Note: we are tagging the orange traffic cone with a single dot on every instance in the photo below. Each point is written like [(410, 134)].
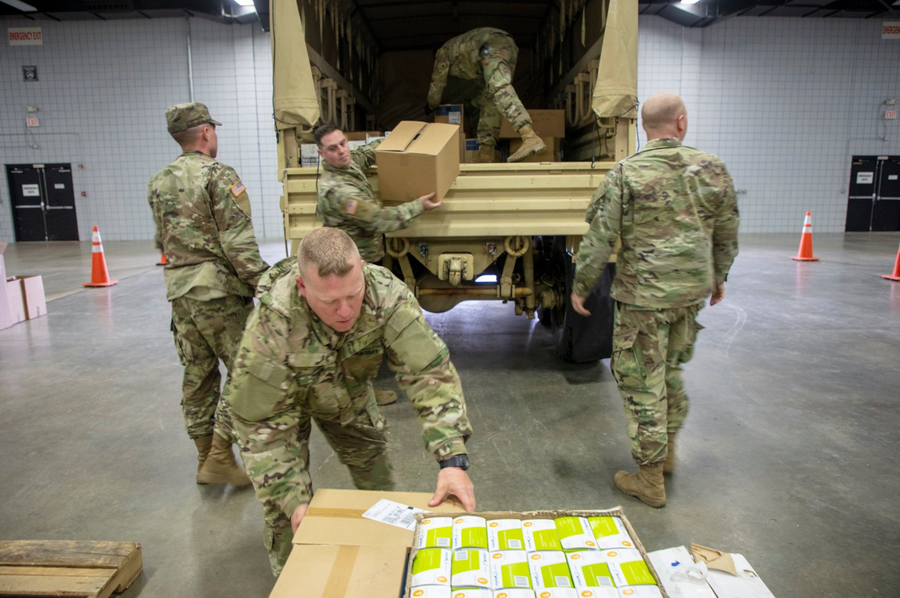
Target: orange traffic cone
[(896, 274), (806, 252), (162, 260), (99, 273)]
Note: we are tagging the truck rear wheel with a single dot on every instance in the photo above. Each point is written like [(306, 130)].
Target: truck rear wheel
[(582, 339)]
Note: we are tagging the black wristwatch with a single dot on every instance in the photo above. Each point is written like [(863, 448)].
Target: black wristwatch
[(461, 461)]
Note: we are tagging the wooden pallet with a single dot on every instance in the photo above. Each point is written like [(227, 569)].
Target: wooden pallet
[(64, 568)]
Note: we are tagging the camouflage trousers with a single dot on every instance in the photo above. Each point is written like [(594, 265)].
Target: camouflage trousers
[(360, 445), (649, 348), (205, 332), (498, 96)]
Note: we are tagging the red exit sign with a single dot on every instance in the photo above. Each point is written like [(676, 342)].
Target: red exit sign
[(32, 122), (890, 114)]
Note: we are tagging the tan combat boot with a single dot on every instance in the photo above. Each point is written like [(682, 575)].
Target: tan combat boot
[(531, 144), (203, 445), (385, 397), (219, 467), (669, 465), (485, 154), (647, 485)]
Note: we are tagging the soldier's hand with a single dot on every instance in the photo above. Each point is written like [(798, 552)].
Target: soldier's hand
[(578, 305), (429, 202), (298, 515), (453, 481), (717, 295)]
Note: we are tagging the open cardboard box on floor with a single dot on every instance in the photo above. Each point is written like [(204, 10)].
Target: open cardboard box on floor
[(6, 318)]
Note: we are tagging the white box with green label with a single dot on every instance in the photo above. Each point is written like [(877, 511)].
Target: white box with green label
[(627, 567), (471, 593), (559, 593), (610, 532), (575, 533), (640, 592), (540, 534), (471, 569), (431, 567), (505, 534), (431, 592), (509, 570), (590, 569), (470, 532), (513, 593), (435, 532), (549, 569)]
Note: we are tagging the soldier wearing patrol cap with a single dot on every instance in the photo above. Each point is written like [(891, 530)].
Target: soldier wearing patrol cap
[(202, 214), (346, 201), (486, 56), (311, 349), (675, 210)]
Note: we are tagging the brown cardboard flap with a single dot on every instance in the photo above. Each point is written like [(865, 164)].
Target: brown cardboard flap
[(402, 135), (342, 572)]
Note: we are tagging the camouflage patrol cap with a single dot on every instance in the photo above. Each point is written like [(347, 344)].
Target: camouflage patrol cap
[(182, 117)]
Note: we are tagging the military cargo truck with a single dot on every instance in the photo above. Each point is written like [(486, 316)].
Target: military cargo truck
[(505, 232)]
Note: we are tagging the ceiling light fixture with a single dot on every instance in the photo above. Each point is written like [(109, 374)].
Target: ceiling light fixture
[(19, 5), (244, 2), (689, 1)]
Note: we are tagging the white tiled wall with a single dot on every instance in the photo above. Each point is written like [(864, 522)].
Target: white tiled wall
[(102, 95), (784, 102)]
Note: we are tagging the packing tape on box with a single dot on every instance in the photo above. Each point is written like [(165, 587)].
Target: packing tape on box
[(339, 577), (322, 512)]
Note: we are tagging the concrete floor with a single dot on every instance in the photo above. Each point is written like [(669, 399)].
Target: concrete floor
[(789, 455)]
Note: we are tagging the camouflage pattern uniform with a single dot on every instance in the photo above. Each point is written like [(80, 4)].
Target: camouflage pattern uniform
[(202, 215), (291, 369), (490, 55), (676, 211), (346, 201)]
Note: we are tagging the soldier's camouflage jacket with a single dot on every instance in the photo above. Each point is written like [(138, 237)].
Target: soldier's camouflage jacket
[(676, 211), (346, 201), (289, 361), (462, 57), (202, 214)]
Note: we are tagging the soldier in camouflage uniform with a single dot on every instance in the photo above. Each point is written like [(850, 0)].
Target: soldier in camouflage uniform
[(488, 57), (310, 352), (675, 209), (202, 214)]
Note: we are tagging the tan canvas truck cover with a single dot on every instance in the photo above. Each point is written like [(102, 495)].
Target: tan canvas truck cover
[(616, 92), (294, 97)]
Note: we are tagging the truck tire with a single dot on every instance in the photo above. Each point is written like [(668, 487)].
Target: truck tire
[(582, 339)]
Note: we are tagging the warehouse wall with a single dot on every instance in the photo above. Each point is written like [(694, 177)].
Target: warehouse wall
[(102, 95), (785, 102)]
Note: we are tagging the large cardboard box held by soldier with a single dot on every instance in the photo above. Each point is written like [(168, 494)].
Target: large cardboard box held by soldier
[(453, 114), (417, 159), (546, 123)]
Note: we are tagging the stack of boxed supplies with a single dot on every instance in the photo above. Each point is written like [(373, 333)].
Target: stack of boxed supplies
[(578, 554)]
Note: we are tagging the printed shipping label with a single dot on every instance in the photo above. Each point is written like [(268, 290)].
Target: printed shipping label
[(575, 533), (436, 532), (393, 513), (610, 532), (470, 532), (471, 569), (505, 534), (540, 534), (431, 567), (509, 569), (549, 570)]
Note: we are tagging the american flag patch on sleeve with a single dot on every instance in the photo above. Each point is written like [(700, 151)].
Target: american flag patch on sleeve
[(237, 189)]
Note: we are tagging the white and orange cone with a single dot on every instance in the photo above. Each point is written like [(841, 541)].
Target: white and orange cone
[(162, 260), (99, 273), (806, 251), (896, 274)]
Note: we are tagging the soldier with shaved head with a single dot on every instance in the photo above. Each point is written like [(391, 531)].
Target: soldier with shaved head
[(675, 210)]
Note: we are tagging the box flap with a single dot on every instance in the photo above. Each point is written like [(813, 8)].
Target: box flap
[(433, 139), (342, 571), (402, 135), (335, 517), (2, 247)]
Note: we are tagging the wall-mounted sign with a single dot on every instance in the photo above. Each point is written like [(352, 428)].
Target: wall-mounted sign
[(32, 122), (890, 30), (865, 178), (25, 36), (31, 191), (29, 73)]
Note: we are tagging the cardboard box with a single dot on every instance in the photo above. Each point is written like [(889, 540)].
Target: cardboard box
[(610, 532), (32, 291), (6, 319), (546, 123), (541, 534), (452, 114), (335, 518), (342, 572), (15, 296), (431, 567), (505, 534), (309, 155), (550, 569), (362, 135), (471, 569), (575, 533), (417, 159), (551, 154), (510, 570), (470, 532)]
